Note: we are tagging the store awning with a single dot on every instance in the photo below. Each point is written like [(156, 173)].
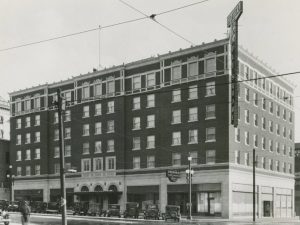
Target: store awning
[(98, 193)]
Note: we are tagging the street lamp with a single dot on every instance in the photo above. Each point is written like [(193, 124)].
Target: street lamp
[(11, 179), (190, 173)]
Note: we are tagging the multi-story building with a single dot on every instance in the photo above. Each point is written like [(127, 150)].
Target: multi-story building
[(297, 179), (4, 119), (125, 126)]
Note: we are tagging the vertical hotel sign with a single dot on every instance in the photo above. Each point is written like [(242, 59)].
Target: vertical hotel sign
[(232, 24)]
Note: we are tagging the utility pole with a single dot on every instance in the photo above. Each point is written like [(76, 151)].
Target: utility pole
[(189, 172), (62, 158), (254, 191)]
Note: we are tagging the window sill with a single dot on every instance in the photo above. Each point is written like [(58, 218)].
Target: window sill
[(85, 135), (136, 149), (37, 141), (65, 121), (192, 143), (37, 158), (97, 152), (150, 147), (150, 127), (173, 123), (110, 112), (192, 98), (98, 133), (210, 95), (27, 143), (67, 156), (85, 116), (66, 138), (136, 109), (98, 114), (237, 141), (175, 144), (110, 151), (208, 141), (176, 101), (190, 121), (36, 125), (108, 132), (210, 118), (148, 107), (56, 157), (86, 153), (136, 128)]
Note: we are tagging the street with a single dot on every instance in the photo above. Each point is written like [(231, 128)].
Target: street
[(55, 220)]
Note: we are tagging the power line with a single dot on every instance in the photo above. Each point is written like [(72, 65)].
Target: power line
[(95, 29)]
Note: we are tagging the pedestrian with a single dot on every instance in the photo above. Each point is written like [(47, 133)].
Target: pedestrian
[(25, 212)]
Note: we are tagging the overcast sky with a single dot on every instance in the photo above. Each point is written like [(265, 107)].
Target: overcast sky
[(268, 28)]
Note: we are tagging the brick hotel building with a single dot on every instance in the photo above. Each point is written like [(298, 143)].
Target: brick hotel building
[(125, 126)]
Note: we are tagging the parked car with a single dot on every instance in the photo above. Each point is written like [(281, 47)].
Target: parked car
[(38, 207), (52, 207), (4, 217), (152, 212), (132, 210), (13, 206), (3, 204), (81, 208), (94, 209), (113, 210), (173, 212)]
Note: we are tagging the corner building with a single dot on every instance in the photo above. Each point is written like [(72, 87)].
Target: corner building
[(126, 125)]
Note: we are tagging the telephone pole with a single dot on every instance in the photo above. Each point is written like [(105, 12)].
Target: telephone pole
[(62, 157)]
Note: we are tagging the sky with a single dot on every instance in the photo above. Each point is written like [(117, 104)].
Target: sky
[(268, 28)]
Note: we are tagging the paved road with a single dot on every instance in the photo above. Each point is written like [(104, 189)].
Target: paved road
[(54, 220)]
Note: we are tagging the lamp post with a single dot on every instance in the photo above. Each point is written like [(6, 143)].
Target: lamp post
[(11, 179), (189, 173)]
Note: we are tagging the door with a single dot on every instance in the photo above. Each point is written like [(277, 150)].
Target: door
[(267, 208)]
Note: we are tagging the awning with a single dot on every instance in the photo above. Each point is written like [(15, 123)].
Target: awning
[(98, 193)]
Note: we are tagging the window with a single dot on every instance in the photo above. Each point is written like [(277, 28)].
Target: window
[(290, 152), (37, 102), (110, 126), (271, 146), (37, 120), (291, 135), (150, 100), (277, 166), (136, 162), (176, 159), (67, 115), (150, 161), (284, 149), (247, 94), (27, 122), (255, 98), (176, 73), (278, 110), (98, 147), (55, 117), (110, 87), (255, 118), (263, 123), (37, 136), (27, 105), (85, 92), (277, 129), (86, 130), (192, 69), (150, 121), (176, 138), (271, 126), (28, 170), (290, 117), (98, 128), (247, 159), (237, 157), (37, 153), (98, 164), (19, 171), (111, 145), (136, 82), (27, 139), (67, 133), (210, 134), (37, 169), (136, 103), (271, 107), (247, 116), (18, 107), (110, 163), (193, 92), (56, 168), (255, 140), (86, 148), (210, 89), (176, 95), (19, 139), (150, 141), (19, 123), (284, 132), (98, 90), (290, 168), (193, 136), (98, 109), (86, 111), (68, 96), (263, 143), (193, 114), (210, 65), (270, 164), (151, 80), (237, 134), (263, 100), (86, 165), (247, 139), (284, 167), (194, 156), (210, 111), (19, 156), (263, 162), (176, 116), (136, 123), (56, 152), (111, 107), (67, 150), (136, 143), (210, 156), (277, 147)]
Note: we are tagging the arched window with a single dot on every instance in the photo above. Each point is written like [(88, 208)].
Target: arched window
[(84, 189), (113, 188), (98, 188)]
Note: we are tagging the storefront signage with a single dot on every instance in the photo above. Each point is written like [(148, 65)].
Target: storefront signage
[(173, 175), (235, 14), (99, 174)]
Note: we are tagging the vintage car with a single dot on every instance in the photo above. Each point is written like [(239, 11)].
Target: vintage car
[(172, 212), (3, 204), (81, 208), (52, 207), (113, 210), (132, 210), (38, 207), (4, 217), (13, 206), (152, 212)]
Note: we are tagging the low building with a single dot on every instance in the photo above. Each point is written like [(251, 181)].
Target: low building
[(125, 126)]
